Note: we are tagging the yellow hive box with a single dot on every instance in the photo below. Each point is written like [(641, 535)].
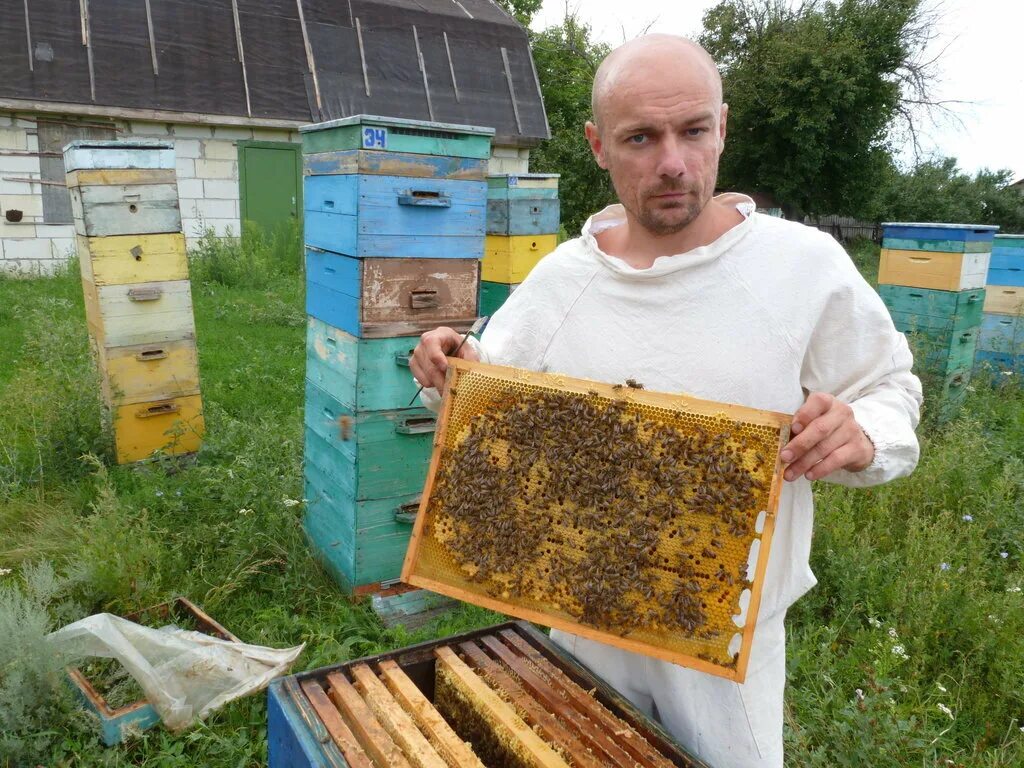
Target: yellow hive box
[(139, 313), (1004, 300), (940, 271), (173, 426), (119, 259), (510, 259), (148, 371), (638, 519)]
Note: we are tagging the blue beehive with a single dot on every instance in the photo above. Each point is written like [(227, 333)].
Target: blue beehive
[(395, 216)]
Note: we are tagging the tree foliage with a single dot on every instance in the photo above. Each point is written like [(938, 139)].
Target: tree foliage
[(937, 190), (566, 59), (813, 92)]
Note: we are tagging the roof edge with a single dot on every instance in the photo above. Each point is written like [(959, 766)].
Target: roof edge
[(145, 115)]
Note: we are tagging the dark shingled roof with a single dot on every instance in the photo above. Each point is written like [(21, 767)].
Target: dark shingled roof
[(454, 61)]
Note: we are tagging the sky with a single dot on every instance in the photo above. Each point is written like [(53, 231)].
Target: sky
[(981, 64)]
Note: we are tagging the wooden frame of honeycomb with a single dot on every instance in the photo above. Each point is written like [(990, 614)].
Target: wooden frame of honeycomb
[(638, 519)]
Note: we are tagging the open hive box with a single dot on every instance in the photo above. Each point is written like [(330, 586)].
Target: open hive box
[(103, 684), (500, 696), (639, 519)]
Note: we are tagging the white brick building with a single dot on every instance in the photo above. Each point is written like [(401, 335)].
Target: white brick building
[(230, 90)]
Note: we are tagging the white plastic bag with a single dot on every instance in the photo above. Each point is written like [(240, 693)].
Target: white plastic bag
[(185, 675)]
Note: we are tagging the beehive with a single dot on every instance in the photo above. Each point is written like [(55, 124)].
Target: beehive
[(500, 696), (635, 518)]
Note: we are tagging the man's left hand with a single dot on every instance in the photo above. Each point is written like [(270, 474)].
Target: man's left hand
[(828, 438)]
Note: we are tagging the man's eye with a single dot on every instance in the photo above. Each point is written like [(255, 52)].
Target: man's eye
[(696, 131), (638, 138)]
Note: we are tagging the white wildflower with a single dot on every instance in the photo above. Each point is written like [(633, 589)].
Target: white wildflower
[(860, 695), (1015, 590), (941, 687), (874, 622), (290, 502), (5, 571), (899, 652), (892, 633), (968, 518), (1004, 555), (245, 511), (946, 710)]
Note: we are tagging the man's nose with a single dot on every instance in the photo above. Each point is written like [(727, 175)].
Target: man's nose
[(671, 160)]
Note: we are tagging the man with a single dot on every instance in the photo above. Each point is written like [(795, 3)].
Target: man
[(687, 292)]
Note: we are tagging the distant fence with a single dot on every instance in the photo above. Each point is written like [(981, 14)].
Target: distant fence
[(846, 228)]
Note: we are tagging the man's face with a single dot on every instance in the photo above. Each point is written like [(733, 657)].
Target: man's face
[(660, 138)]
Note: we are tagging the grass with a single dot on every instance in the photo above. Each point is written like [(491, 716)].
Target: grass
[(917, 606)]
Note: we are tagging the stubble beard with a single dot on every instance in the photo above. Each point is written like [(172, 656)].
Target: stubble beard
[(663, 221)]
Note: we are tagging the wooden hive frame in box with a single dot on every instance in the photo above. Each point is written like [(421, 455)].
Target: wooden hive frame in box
[(503, 695), (639, 519)]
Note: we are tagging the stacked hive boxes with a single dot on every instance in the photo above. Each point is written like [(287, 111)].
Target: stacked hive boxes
[(932, 279), (394, 229), (522, 228), (1002, 329), (138, 301)]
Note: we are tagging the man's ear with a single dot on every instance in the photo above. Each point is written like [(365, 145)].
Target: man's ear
[(596, 146), (722, 120)]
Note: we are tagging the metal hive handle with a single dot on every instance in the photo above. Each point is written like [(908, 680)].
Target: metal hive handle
[(158, 353), (160, 409), (416, 425), (423, 198), (151, 293), (406, 513)]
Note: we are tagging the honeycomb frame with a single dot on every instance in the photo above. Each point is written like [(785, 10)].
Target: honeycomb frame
[(676, 605)]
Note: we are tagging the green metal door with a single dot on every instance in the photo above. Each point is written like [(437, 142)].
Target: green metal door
[(270, 177)]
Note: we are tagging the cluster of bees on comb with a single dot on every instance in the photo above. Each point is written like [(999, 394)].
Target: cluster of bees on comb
[(628, 518)]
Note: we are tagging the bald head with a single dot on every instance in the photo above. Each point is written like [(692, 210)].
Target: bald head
[(655, 55)]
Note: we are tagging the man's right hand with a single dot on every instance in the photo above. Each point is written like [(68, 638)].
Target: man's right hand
[(429, 363)]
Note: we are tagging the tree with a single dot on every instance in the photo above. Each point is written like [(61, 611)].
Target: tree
[(813, 92), (522, 11), (937, 190), (566, 60)]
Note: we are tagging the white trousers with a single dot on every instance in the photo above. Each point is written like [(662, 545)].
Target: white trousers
[(725, 724)]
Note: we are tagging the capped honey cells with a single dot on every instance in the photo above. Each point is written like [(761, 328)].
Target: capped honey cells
[(602, 507)]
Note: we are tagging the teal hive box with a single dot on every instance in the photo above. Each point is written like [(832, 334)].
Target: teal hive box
[(388, 134)]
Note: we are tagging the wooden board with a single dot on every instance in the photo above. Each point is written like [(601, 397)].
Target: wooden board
[(510, 186), (467, 701), (539, 548), (510, 259), (395, 720), (1013, 276), (939, 271), (131, 209), (373, 454), (340, 733), (543, 711), (493, 296), (172, 426), (1007, 258), (949, 246), (115, 260), (110, 155), (1004, 300), (397, 135), (939, 231), (371, 735), (385, 298), (1002, 333), (922, 307), (456, 752), (394, 164), (392, 216), (639, 748), (522, 217), (148, 371), (139, 313), (361, 374), (120, 176)]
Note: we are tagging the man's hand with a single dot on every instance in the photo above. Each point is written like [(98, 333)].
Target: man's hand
[(828, 438), (428, 363)]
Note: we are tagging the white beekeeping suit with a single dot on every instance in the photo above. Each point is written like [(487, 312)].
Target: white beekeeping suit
[(762, 316)]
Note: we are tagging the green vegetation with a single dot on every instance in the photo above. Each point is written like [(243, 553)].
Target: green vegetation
[(918, 606)]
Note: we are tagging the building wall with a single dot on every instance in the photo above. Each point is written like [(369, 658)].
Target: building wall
[(208, 190)]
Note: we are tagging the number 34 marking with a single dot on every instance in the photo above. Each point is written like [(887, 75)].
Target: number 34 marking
[(375, 138)]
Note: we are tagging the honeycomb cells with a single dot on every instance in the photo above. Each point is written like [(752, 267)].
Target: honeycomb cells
[(606, 510)]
